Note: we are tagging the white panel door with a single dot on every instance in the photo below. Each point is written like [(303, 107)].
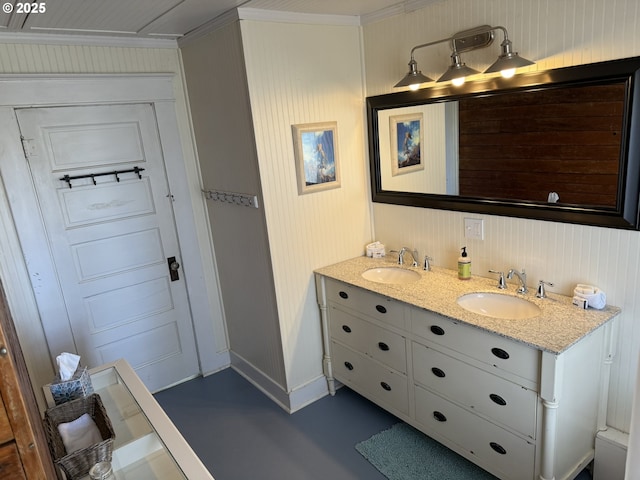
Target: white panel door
[(110, 237)]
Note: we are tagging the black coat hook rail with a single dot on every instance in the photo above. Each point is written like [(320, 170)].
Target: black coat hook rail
[(92, 176)]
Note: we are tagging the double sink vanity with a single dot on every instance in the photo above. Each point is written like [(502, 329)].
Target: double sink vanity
[(514, 383)]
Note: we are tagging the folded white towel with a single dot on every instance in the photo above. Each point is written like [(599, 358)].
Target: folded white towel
[(595, 297), (585, 289), (80, 433)]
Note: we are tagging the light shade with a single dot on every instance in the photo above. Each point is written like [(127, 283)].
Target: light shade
[(414, 77), (457, 70), (508, 59)]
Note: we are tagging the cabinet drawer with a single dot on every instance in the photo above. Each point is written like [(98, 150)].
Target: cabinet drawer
[(10, 464), (383, 345), (509, 456), (370, 304), (504, 401), (6, 433), (489, 348), (388, 388)]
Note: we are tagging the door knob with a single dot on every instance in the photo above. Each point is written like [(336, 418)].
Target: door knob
[(173, 268), (3, 351)]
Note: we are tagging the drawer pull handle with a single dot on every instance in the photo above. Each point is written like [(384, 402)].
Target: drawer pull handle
[(344, 295), (435, 329), (346, 328), (498, 352), (383, 346), (498, 448), (439, 416), (498, 399), (381, 309), (438, 373), (349, 365), (386, 386)]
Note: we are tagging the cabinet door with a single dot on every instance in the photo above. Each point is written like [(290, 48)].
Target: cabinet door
[(376, 342), (20, 404), (504, 401), (370, 304), (385, 387), (505, 454), (6, 434), (489, 348), (10, 463)]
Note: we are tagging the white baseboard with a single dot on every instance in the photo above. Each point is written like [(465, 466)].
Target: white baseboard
[(292, 401), (221, 360), (308, 393)]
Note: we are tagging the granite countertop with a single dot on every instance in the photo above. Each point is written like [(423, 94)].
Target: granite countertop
[(559, 325)]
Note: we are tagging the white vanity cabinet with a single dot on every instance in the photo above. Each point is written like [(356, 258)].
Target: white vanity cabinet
[(368, 345), (520, 412)]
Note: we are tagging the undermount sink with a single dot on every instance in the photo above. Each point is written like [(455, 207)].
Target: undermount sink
[(391, 275), (498, 305)]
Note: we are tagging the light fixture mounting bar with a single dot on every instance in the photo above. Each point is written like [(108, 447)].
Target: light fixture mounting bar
[(472, 39)]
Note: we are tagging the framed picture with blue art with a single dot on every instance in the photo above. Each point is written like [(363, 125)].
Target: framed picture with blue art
[(316, 154), (407, 135)]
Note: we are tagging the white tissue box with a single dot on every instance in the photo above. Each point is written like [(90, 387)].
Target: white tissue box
[(375, 250), (79, 385)]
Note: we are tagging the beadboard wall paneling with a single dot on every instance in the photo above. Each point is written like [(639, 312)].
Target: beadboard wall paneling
[(216, 80), (554, 34), (305, 74), (61, 59)]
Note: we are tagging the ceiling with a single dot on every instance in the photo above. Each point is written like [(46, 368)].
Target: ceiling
[(171, 19)]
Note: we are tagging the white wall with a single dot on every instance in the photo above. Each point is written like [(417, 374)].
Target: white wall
[(553, 33), (216, 80), (305, 74)]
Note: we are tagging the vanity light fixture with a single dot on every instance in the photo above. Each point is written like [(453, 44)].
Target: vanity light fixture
[(466, 41)]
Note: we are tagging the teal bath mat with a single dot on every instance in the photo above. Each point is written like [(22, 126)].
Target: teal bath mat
[(404, 453)]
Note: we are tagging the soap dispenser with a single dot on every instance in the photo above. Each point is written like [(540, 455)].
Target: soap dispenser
[(464, 265)]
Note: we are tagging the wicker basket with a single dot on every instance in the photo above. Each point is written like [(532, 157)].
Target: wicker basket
[(77, 464)]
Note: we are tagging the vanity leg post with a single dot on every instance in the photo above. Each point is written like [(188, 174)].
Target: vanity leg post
[(326, 358), (552, 373), (549, 421), (321, 295)]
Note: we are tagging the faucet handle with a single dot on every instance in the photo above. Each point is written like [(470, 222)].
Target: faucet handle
[(427, 263), (501, 283), (400, 255), (541, 291)]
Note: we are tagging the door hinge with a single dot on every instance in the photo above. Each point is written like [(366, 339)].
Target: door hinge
[(28, 147)]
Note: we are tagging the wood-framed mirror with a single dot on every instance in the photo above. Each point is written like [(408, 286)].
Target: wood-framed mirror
[(560, 145)]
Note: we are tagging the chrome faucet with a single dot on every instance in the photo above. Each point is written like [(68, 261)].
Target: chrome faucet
[(522, 276), (501, 283), (541, 290), (414, 256)]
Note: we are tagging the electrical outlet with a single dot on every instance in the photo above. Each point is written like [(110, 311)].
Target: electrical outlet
[(474, 228)]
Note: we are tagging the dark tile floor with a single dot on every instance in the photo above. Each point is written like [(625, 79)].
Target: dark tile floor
[(240, 434)]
